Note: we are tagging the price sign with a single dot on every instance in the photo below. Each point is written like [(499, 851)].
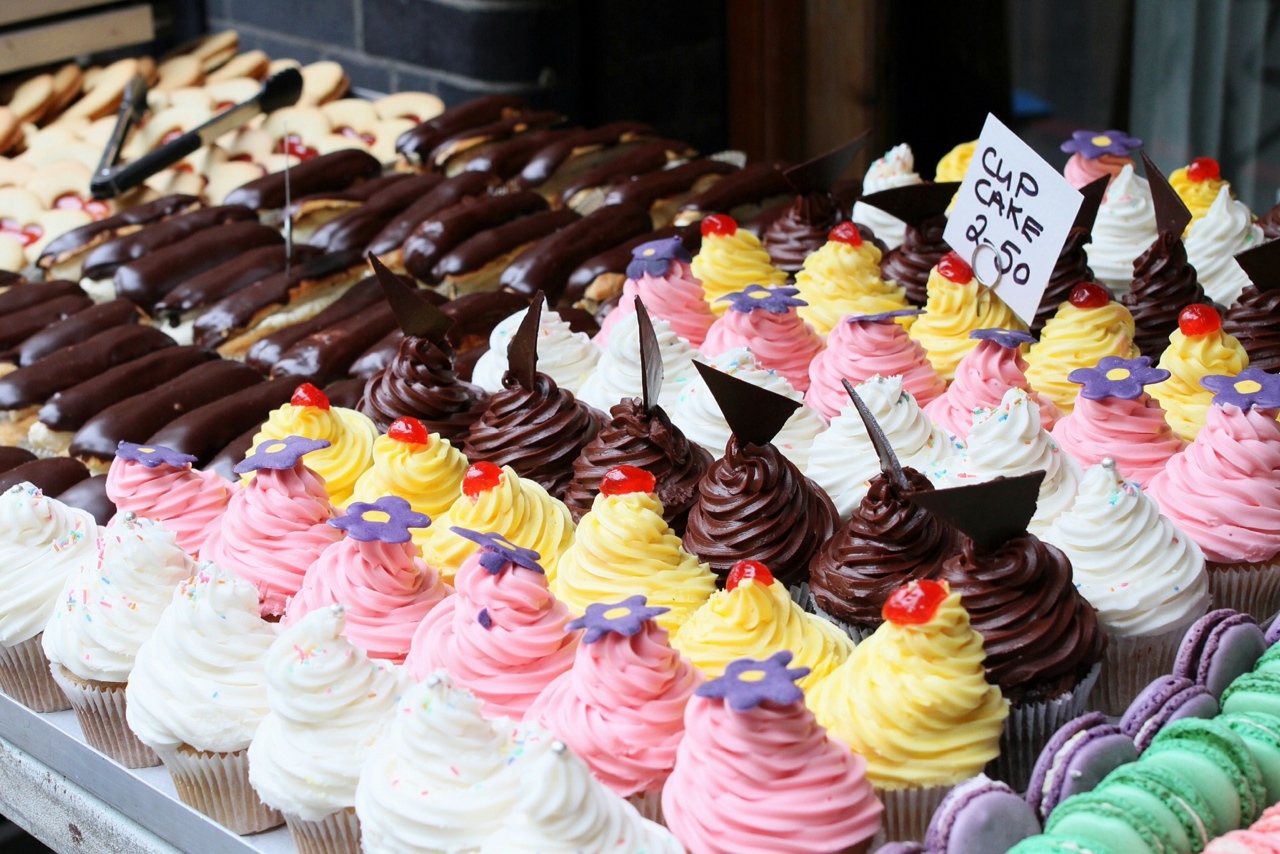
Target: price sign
[(1011, 218)]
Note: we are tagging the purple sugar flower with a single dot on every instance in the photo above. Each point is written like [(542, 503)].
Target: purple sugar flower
[(1091, 144), (624, 618), (654, 258), (496, 551), (152, 455), (1117, 377), (772, 300), (279, 454), (777, 685), (362, 520), (1252, 388)]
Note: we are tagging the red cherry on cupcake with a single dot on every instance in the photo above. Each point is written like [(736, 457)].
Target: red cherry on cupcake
[(1204, 169), (748, 569), (308, 395), (1090, 295), (847, 233), (916, 603), (1197, 319), (624, 480), (409, 430), (953, 268), (720, 224), (480, 477)]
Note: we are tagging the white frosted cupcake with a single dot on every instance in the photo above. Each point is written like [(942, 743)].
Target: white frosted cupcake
[(566, 356), (617, 375), (42, 543), (897, 168), (1215, 239), (1125, 227), (198, 691), (107, 611)]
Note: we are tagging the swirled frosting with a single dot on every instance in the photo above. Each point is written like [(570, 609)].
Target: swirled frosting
[(43, 543), (111, 605), (1143, 575), (843, 460), (200, 679), (769, 780), (1189, 359), (859, 351), (1223, 491), (914, 701), (1077, 338), (1132, 432), (727, 263), (428, 476), (187, 501), (1212, 242), (518, 509), (647, 440), (502, 636), (621, 707), (782, 343), (1254, 321), (754, 504), (1163, 284), (273, 529), (1125, 224), (982, 379), (350, 436), (419, 381), (566, 356), (955, 162), (618, 374), (755, 620), (1081, 171), (329, 703), (839, 280), (675, 297), (1071, 269), (897, 168), (800, 231), (952, 311), (1197, 195), (908, 265)]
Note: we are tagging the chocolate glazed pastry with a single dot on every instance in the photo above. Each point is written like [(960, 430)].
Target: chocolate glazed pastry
[(11, 457), (235, 451), (446, 194), (27, 294), (420, 381), (206, 430), (888, 542), (147, 280), (265, 352), (801, 229), (90, 495), (225, 279), (1071, 269), (417, 142), (355, 228), (613, 262), (436, 236), (77, 327), (742, 194), (337, 170), (100, 231), (54, 475), (910, 264), (1163, 284), (21, 325), (1254, 320), (325, 355), (105, 259)]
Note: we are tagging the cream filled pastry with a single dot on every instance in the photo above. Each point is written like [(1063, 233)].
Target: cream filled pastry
[(983, 377), (1214, 240), (765, 320), (843, 278), (566, 356), (730, 259), (1124, 228), (158, 483), (618, 373), (897, 168), (660, 275)]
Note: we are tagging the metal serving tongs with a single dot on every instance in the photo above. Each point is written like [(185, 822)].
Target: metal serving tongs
[(281, 89)]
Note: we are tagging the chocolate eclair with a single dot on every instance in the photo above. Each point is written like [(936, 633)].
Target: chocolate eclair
[(12, 457), (78, 327), (561, 162), (599, 279), (910, 263), (226, 460), (742, 194), (453, 154), (53, 476), (310, 213), (24, 295), (356, 227), (337, 170), (148, 279), (90, 495), (1163, 284), (663, 193), (105, 258), (62, 257), (1254, 319), (21, 325), (801, 228), (345, 393), (417, 143), (206, 430), (475, 265), (1071, 269), (387, 244), (446, 230), (326, 355), (506, 159), (587, 192), (266, 351)]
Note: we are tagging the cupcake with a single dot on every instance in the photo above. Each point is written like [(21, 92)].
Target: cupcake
[(757, 774), (328, 705), (801, 228), (843, 277), (1126, 222), (895, 169), (618, 374), (659, 275), (108, 608), (198, 691), (730, 259), (1214, 240), (502, 635), (923, 208), (982, 379), (1224, 493), (621, 706), (864, 346), (624, 546), (1254, 321), (566, 356), (277, 525), (955, 163), (1145, 578), (765, 320), (1197, 349), (158, 483), (1096, 154), (43, 543), (1070, 271), (1199, 184), (914, 701)]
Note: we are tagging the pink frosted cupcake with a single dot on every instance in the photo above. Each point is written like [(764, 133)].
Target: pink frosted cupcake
[(757, 774), (1113, 417), (765, 320), (376, 574), (503, 635), (982, 378), (660, 275), (1095, 154), (1223, 491), (158, 483), (277, 525), (865, 346), (621, 707)]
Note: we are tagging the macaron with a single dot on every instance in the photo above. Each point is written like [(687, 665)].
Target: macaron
[(1261, 734), (1269, 661), (980, 816), (1058, 843), (1082, 752), (902, 848), (1218, 763), (1245, 842), (1273, 633), (1174, 802), (1167, 699), (1121, 825), (1253, 692), (1217, 648)]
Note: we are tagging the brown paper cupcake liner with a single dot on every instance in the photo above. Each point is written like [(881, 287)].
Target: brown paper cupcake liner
[(857, 633), (337, 833), (217, 784), (1251, 588), (25, 676), (1029, 728), (1132, 663), (907, 812), (100, 709)]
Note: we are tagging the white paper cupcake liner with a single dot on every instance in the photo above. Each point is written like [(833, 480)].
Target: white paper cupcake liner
[(1251, 588), (1129, 666), (649, 805), (25, 676), (337, 833), (800, 594), (1029, 728), (217, 784), (907, 812), (100, 709)]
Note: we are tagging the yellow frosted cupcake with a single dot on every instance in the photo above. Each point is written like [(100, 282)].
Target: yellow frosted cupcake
[(498, 501), (1198, 185), (754, 617), (1197, 348), (350, 436), (730, 259), (843, 278), (624, 547), (1087, 328), (954, 164)]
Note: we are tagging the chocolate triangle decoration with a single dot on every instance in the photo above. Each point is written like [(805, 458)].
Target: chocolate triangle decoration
[(888, 459), (1171, 212), (754, 414), (992, 513), (522, 352), (652, 372), (1093, 193), (817, 175), (417, 317), (914, 203), (1262, 265)]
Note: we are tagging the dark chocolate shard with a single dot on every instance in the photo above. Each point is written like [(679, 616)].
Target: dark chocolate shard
[(1262, 265), (651, 370), (990, 513), (754, 414), (914, 203), (888, 459), (1171, 212), (416, 316), (522, 352), (1093, 193), (818, 174)]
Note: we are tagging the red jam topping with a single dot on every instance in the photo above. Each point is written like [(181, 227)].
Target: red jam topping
[(846, 232), (624, 480), (480, 477), (308, 395), (1204, 169), (293, 145), (719, 224), (953, 268), (24, 234), (916, 603), (352, 133), (409, 430), (748, 569), (1197, 319), (93, 207), (1090, 295)]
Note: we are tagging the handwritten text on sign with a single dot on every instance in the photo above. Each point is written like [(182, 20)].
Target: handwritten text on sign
[(1020, 208)]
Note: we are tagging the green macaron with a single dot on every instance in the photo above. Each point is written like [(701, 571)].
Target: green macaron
[(1057, 843), (1180, 808), (1122, 825), (1270, 660), (1258, 691), (1217, 763), (1261, 734)]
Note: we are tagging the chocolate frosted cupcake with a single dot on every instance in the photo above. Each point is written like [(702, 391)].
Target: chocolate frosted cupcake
[(1071, 269), (921, 250), (1269, 222), (1254, 320), (1163, 284), (801, 229)]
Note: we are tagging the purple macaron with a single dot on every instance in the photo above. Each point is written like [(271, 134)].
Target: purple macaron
[(903, 848), (1167, 699), (1273, 633), (980, 816), (1077, 757), (1218, 647)]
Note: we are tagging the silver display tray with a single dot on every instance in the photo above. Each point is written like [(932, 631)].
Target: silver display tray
[(145, 796)]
